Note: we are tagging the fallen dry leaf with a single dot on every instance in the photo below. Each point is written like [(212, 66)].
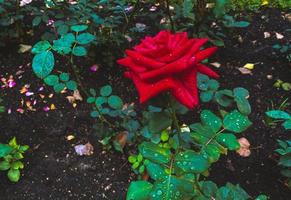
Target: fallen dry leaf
[(279, 36), (244, 70), (244, 150), (122, 138), (215, 64), (267, 34), (249, 66), (84, 149)]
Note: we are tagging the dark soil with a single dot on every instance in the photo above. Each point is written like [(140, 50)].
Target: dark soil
[(54, 171)]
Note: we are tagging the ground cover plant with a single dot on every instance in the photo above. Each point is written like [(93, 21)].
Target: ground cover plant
[(141, 100)]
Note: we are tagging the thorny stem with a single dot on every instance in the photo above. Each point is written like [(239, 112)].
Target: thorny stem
[(170, 16)]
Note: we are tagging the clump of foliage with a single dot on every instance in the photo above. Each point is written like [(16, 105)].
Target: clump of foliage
[(254, 5), (280, 116), (284, 151), (2, 108), (284, 49), (11, 155)]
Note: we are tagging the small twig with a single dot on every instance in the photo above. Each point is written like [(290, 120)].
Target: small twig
[(169, 15)]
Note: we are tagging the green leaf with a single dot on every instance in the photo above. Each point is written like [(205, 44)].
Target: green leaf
[(91, 99), (63, 29), (213, 84), (106, 90), (231, 191), (278, 114), (71, 85), (94, 114), (159, 121), (139, 190), (210, 119), (209, 188), (172, 188), (228, 140), (17, 165), (236, 122), (155, 171), (202, 81), (262, 197), (5, 150), (79, 28), (99, 101), (212, 152), (285, 160), (206, 96), (224, 97), (59, 87), (79, 51), (36, 21), (63, 45), (85, 38), (14, 175), (131, 159), (41, 46), (154, 152), (13, 143), (240, 96), (164, 136), (51, 80), (93, 92), (287, 124), (43, 64), (4, 165), (115, 102), (64, 77), (191, 162)]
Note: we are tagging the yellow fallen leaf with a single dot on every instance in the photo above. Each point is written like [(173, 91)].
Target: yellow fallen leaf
[(70, 137), (249, 66), (265, 2), (53, 107)]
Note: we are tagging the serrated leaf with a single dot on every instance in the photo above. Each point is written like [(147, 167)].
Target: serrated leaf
[(159, 122), (154, 152), (191, 162), (43, 64), (210, 119), (139, 190), (79, 28), (228, 140), (41, 46), (155, 171), (236, 122), (85, 38), (206, 96), (79, 51), (63, 29)]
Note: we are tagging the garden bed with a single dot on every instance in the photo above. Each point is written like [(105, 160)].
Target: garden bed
[(54, 171)]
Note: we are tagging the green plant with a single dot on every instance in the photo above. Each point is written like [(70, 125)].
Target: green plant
[(11, 155), (2, 108), (284, 85), (284, 151), (284, 49), (206, 19), (280, 116)]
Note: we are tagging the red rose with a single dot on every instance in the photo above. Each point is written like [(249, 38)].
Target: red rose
[(168, 62)]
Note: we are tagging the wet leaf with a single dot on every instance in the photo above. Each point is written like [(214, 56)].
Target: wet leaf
[(139, 190), (236, 122)]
